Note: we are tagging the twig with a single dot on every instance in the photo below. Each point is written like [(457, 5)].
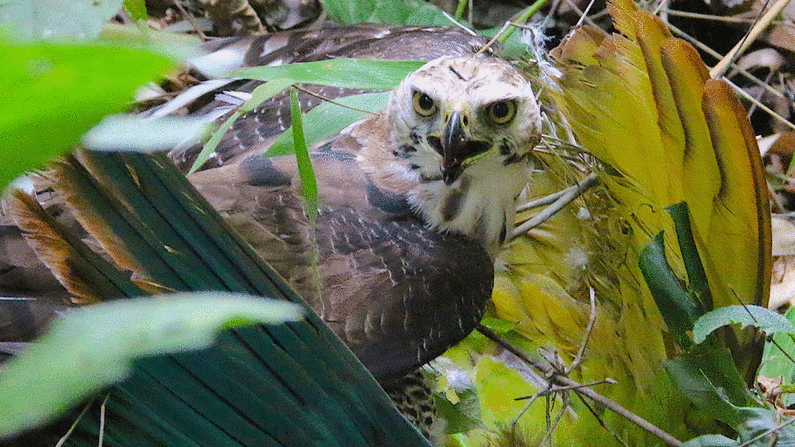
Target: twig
[(65, 437), (767, 109), (323, 98), (459, 24), (551, 427), (493, 39), (599, 419), (557, 389), (189, 17), (591, 320), (585, 13), (719, 69), (588, 392), (102, 420), (527, 407), (714, 18), (718, 56), (568, 196), (762, 435)]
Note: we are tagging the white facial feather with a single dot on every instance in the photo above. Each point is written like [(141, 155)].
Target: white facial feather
[(480, 202)]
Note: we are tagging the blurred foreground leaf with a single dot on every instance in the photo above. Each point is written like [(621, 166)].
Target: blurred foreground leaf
[(94, 347), (52, 94)]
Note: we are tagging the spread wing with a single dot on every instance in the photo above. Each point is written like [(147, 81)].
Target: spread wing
[(398, 293)]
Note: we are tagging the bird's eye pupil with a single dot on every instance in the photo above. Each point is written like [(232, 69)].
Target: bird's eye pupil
[(425, 102), (501, 110)]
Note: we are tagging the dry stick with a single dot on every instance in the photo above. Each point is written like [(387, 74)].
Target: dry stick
[(762, 435), (193, 23), (588, 330), (717, 56), (65, 437), (591, 394), (551, 427), (102, 420), (767, 109), (714, 18), (323, 98), (569, 195), (599, 419), (719, 69)]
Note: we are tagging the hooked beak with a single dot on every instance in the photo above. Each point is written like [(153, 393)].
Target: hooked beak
[(457, 146)]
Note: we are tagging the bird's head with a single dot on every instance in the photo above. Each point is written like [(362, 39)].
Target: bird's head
[(464, 128), (456, 113)]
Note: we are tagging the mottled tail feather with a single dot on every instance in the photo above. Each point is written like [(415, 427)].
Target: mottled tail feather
[(413, 397), (85, 274)]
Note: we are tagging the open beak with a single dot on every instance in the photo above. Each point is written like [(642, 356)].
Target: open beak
[(457, 146)]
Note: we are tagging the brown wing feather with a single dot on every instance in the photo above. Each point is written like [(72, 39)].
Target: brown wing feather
[(398, 293)]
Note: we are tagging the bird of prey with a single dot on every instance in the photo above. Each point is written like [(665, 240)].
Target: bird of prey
[(414, 201), (414, 204)]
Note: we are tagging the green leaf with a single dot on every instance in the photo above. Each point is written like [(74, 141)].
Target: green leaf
[(131, 133), (695, 385), (137, 9), (778, 363), (767, 320), (258, 96), (678, 308), (52, 94), (308, 180), (94, 347), (398, 12), (696, 276), (462, 416), (345, 73), (328, 118), (58, 19), (711, 441)]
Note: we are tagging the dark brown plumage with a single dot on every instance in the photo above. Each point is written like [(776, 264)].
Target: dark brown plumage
[(413, 203)]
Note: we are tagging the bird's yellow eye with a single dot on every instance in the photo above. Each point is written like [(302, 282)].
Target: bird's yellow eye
[(501, 112), (424, 105)]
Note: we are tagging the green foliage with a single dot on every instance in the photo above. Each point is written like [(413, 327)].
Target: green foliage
[(58, 20), (137, 9), (52, 94), (768, 321), (678, 308), (329, 118), (344, 73), (308, 181), (777, 360), (399, 12), (131, 133), (94, 347)]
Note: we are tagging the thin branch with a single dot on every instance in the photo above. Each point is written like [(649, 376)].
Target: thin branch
[(588, 330), (719, 69), (190, 19), (493, 39), (102, 420), (762, 435), (714, 18), (767, 109), (570, 194), (65, 437), (599, 419), (591, 394), (323, 98)]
